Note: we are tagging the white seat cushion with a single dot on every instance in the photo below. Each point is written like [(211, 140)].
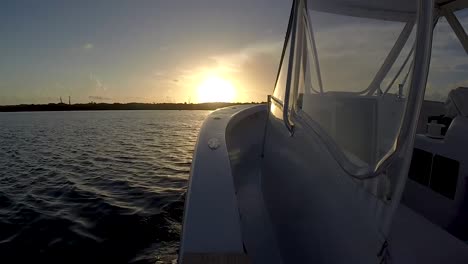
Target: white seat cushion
[(457, 102)]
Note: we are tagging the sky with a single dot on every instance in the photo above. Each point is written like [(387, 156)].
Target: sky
[(163, 51), (137, 51), (351, 50)]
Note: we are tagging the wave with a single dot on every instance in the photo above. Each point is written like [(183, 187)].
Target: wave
[(94, 187)]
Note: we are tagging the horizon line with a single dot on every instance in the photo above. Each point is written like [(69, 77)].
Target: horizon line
[(113, 103)]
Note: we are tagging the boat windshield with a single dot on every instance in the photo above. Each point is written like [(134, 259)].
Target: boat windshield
[(350, 74), (350, 50), (449, 62), (349, 105)]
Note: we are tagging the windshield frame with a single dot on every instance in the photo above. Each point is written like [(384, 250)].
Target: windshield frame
[(422, 50)]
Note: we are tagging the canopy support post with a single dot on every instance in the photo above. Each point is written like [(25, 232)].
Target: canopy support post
[(391, 58), (457, 28)]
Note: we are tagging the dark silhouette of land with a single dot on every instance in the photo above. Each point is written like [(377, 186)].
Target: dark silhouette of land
[(114, 106)]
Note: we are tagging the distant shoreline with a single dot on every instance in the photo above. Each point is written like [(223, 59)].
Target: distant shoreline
[(114, 106)]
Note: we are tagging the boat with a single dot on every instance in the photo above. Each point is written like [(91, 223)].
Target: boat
[(346, 163)]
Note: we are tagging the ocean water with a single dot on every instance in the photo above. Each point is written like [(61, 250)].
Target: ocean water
[(94, 187)]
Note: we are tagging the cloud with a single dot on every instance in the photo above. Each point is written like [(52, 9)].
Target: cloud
[(463, 83), (448, 69), (97, 82), (439, 92), (350, 54), (221, 63), (164, 48), (351, 64), (462, 67), (88, 46), (251, 69), (233, 62), (161, 75)]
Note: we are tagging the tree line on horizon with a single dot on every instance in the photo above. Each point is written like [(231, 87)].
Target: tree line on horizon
[(116, 106)]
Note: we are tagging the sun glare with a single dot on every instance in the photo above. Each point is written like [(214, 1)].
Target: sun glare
[(215, 89)]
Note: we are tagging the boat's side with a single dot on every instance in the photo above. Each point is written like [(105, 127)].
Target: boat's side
[(245, 141), (414, 239), (437, 183), (319, 214), (285, 207), (211, 225)]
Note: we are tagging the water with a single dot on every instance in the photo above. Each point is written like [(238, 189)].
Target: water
[(94, 187)]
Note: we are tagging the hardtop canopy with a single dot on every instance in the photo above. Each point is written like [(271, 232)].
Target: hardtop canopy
[(396, 10)]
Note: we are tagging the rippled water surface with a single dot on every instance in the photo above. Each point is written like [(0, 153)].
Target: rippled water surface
[(94, 187)]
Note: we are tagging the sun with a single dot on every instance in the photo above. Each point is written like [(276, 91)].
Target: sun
[(216, 89)]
